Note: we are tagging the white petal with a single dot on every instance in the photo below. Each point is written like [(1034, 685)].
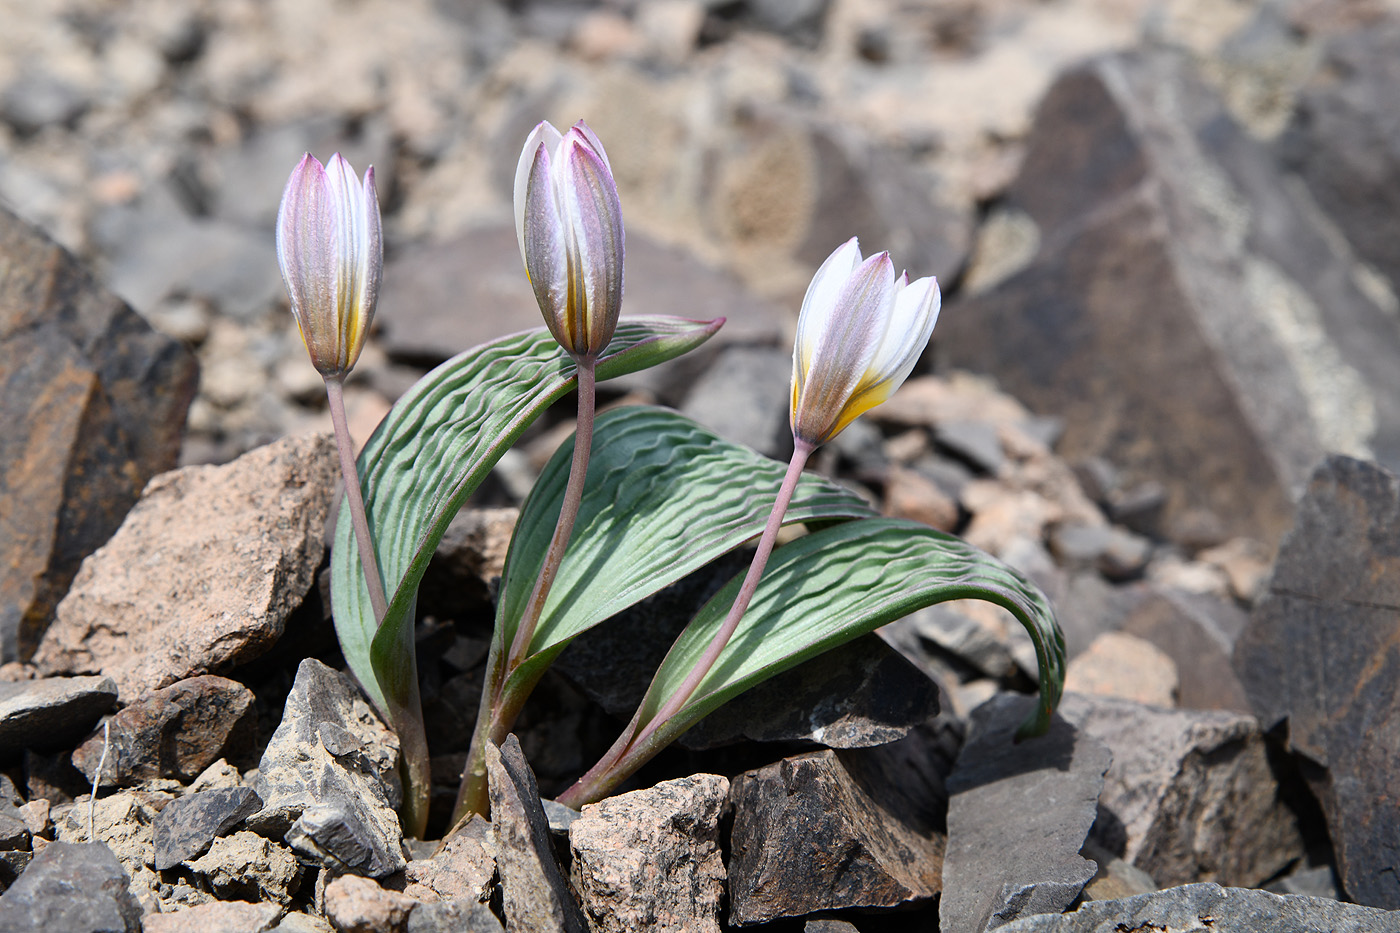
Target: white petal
[(593, 142), (910, 325), (543, 134), (820, 301)]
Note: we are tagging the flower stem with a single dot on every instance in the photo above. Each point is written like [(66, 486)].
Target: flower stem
[(564, 529), (497, 712), (335, 394), (630, 753)]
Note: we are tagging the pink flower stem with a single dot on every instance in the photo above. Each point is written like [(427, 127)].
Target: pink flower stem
[(629, 754), (335, 394)]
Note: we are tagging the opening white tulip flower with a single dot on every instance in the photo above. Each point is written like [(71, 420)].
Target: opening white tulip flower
[(859, 334)]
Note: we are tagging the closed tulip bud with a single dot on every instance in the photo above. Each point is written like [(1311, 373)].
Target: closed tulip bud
[(569, 225), (859, 334), (330, 248)]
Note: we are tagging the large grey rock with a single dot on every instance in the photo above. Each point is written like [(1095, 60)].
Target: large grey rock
[(834, 829), (1344, 140), (650, 859), (743, 397), (50, 712), (1190, 796), (328, 778), (92, 405), (534, 895), (1184, 310), (1011, 853), (1214, 908), (204, 571), (71, 888), (1320, 654)]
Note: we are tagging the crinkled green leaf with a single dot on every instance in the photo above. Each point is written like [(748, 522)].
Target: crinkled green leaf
[(664, 496), (835, 584), (432, 450)]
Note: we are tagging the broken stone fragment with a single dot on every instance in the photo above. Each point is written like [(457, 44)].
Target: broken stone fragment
[(174, 732), (50, 712), (202, 574), (359, 905), (187, 825), (464, 868), (650, 859), (535, 896), (1190, 795), (1010, 853), (246, 866), (830, 829), (224, 916), (328, 778)]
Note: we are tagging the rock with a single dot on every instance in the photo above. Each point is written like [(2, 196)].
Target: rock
[(1341, 141), (359, 905), (743, 397), (650, 859), (71, 887), (910, 494), (833, 829), (51, 712), (1212, 907), (173, 732), (861, 695), (93, 407), (1115, 552), (187, 825), (974, 442), (1248, 349), (1320, 654), (535, 897), (1114, 877), (302, 923), (1198, 633), (459, 915), (203, 573), (1190, 795), (122, 821), (465, 868), (247, 866), (328, 778), (469, 558), (1124, 666), (1008, 856), (224, 916)]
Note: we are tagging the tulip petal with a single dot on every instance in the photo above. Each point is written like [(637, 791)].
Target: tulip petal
[(544, 135), (591, 209)]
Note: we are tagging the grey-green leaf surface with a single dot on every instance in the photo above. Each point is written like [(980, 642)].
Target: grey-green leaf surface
[(835, 584), (434, 448), (664, 496)]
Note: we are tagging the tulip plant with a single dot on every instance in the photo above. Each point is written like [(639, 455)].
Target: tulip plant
[(640, 498)]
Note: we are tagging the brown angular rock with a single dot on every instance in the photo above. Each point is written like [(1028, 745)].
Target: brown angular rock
[(464, 868), (246, 866), (650, 859), (832, 829), (1185, 311), (174, 732), (92, 406), (203, 573), (1321, 652), (1197, 632)]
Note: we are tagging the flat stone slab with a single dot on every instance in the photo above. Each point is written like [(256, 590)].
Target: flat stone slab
[(51, 712), (1011, 853), (187, 825), (1211, 907), (203, 573), (1321, 653)]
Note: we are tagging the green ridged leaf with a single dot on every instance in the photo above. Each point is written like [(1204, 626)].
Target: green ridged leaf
[(434, 448), (664, 497), (835, 584)]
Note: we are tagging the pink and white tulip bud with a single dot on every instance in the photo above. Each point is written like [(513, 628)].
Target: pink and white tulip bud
[(330, 247), (859, 335), (569, 224)]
